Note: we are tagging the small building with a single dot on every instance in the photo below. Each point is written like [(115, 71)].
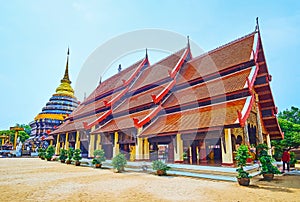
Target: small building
[(181, 109)]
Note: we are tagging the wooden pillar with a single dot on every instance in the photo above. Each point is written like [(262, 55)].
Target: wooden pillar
[(3, 139), (269, 145), (116, 148), (246, 134), (77, 143), (139, 149), (15, 140), (57, 148), (178, 150), (67, 141), (202, 151), (51, 142), (259, 127), (146, 149), (227, 158), (190, 154), (91, 145), (132, 153), (139, 146), (98, 142)]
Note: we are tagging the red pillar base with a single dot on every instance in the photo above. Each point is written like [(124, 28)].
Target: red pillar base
[(227, 164)]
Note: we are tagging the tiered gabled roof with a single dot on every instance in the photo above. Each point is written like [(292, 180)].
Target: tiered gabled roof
[(140, 104), (183, 94), (219, 76)]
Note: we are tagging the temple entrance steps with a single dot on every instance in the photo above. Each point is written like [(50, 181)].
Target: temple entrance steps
[(197, 171)]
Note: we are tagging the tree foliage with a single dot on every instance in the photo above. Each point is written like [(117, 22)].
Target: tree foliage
[(292, 115), (289, 121), (24, 135)]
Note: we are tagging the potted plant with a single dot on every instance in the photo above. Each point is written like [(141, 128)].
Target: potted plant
[(41, 153), (160, 167), (241, 158), (49, 153), (119, 162), (70, 153), (185, 157), (77, 157), (63, 155), (99, 157), (293, 159), (267, 168)]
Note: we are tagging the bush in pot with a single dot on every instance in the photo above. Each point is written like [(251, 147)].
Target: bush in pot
[(99, 157), (41, 153), (50, 151), (70, 153), (241, 157), (160, 167), (77, 156), (119, 162), (63, 155), (267, 168)]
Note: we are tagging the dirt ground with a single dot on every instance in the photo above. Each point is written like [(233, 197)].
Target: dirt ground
[(31, 179)]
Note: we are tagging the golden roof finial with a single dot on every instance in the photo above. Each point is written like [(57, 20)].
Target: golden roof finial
[(65, 88), (66, 78)]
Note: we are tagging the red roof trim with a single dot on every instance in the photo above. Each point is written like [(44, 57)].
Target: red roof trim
[(98, 120), (135, 72), (242, 119), (115, 99), (145, 120), (157, 99), (179, 64)]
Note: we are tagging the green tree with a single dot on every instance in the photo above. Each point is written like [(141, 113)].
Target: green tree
[(289, 121), (292, 115), (24, 135)]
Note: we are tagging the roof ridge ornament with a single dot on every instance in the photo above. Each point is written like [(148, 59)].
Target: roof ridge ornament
[(66, 78), (146, 53), (188, 41), (257, 25)]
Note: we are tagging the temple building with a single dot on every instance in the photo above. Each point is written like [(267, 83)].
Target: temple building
[(60, 105), (180, 109)]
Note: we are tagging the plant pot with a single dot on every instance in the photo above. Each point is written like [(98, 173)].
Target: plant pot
[(77, 163), (49, 159), (244, 181), (268, 176), (42, 158), (68, 162), (98, 165), (161, 172), (62, 161), (292, 166)]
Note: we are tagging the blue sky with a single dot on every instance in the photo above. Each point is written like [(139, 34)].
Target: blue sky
[(35, 35)]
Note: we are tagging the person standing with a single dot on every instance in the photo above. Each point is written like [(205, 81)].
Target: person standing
[(286, 160)]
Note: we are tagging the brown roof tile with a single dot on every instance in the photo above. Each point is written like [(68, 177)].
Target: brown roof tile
[(122, 123), (75, 125), (205, 117), (220, 86), (234, 53), (113, 82), (158, 71), (139, 99)]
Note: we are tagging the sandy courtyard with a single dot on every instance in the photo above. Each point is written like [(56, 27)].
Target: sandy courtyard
[(36, 180)]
